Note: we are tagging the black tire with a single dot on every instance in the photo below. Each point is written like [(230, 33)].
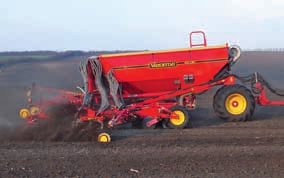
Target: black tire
[(234, 103), (144, 123), (136, 121), (185, 119)]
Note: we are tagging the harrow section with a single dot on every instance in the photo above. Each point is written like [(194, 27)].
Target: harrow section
[(48, 103)]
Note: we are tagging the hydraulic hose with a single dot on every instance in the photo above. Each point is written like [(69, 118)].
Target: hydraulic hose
[(257, 77), (97, 72), (114, 86)]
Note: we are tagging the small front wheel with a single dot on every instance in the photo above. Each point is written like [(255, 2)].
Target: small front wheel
[(180, 117), (24, 113), (104, 138)]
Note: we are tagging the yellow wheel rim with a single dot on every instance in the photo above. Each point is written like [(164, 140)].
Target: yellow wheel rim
[(24, 113), (34, 110), (236, 104), (180, 120), (104, 138)]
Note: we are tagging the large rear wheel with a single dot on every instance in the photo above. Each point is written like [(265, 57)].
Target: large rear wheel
[(234, 103)]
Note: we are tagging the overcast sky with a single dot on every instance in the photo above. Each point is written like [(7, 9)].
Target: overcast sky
[(132, 24)]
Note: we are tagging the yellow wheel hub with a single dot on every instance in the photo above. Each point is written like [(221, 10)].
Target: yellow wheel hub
[(236, 104), (180, 120), (104, 138), (34, 110), (24, 113)]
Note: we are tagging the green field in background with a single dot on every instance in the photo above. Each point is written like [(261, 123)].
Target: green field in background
[(8, 57)]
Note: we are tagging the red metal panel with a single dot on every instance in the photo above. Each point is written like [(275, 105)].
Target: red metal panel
[(176, 56), (164, 70), (209, 54), (125, 60)]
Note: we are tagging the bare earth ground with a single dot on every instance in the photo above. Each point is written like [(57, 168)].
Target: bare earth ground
[(209, 148)]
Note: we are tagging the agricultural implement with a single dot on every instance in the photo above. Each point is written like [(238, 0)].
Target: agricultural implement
[(152, 87)]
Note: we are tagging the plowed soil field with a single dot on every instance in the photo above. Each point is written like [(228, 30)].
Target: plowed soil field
[(210, 147)]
